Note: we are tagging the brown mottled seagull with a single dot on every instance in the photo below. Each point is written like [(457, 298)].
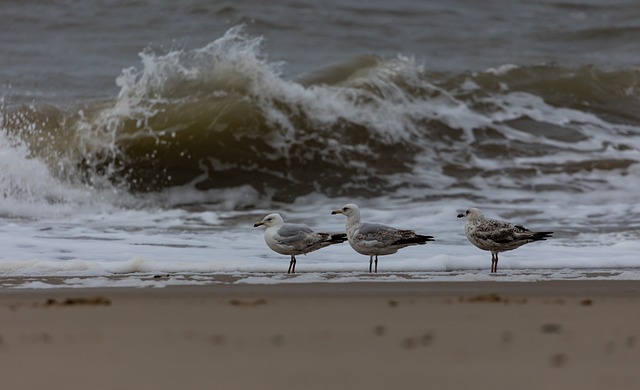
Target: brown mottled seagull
[(294, 239), (497, 236), (373, 239)]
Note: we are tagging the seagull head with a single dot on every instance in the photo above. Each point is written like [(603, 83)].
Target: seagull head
[(350, 210), (270, 220), (471, 214)]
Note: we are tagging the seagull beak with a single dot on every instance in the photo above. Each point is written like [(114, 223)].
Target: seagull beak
[(460, 215), (258, 224), (334, 212)]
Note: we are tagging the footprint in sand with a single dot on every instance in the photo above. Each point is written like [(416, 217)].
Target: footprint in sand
[(551, 328), (558, 360)]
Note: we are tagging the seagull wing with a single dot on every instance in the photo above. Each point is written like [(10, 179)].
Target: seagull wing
[(502, 232), (300, 237), (378, 235)]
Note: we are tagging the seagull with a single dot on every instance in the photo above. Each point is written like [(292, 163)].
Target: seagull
[(372, 239), (497, 236), (293, 239)]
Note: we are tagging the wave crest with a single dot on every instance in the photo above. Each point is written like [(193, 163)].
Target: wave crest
[(223, 116)]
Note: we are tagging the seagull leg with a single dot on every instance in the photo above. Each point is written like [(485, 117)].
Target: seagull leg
[(370, 262), (494, 262), (376, 263), (292, 265)]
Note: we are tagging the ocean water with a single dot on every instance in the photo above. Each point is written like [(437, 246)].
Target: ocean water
[(140, 142)]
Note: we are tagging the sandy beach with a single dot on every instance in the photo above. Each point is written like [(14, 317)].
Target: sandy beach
[(551, 335)]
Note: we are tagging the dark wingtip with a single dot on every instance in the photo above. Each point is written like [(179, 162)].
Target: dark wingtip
[(338, 238), (541, 236), (418, 240)]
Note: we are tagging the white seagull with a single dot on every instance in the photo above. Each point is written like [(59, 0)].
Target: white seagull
[(497, 236), (293, 239), (372, 239)]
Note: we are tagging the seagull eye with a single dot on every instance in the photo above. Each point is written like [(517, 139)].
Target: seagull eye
[(466, 212), (345, 209)]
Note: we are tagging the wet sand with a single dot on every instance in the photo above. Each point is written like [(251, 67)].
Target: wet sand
[(551, 335)]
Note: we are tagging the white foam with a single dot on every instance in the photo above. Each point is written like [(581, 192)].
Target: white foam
[(502, 69)]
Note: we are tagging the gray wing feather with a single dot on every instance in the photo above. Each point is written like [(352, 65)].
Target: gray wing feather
[(375, 229), (378, 232), (501, 231), (302, 238), (291, 230)]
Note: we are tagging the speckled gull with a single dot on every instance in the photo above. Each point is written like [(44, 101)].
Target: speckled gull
[(294, 239), (372, 239), (497, 236)]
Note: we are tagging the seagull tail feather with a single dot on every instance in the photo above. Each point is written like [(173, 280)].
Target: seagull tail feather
[(418, 239), (541, 236), (337, 238)]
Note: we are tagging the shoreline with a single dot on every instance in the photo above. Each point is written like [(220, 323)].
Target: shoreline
[(564, 288), (178, 279), (531, 335)]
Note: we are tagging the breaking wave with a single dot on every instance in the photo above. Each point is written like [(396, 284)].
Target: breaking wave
[(223, 116)]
